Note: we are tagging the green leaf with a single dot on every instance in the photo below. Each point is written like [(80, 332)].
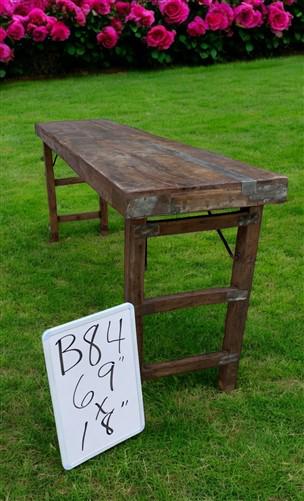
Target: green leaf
[(249, 47), (244, 36), (213, 53), (70, 49), (276, 43), (2, 73), (161, 57), (154, 54)]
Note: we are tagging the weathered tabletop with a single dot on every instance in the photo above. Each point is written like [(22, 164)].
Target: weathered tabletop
[(141, 174)]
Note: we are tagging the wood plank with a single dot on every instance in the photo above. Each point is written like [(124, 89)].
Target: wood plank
[(135, 250), (63, 181), (194, 298), (195, 363), (142, 175), (51, 192), (104, 218), (242, 275), (79, 217), (199, 199), (164, 227)]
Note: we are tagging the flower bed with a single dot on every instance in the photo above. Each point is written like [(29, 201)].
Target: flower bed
[(47, 36)]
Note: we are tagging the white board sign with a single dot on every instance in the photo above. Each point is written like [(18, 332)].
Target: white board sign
[(93, 371)]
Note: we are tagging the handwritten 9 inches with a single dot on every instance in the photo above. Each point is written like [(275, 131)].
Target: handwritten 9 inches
[(94, 378)]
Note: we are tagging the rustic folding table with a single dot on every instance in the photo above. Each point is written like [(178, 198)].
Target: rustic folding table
[(142, 175)]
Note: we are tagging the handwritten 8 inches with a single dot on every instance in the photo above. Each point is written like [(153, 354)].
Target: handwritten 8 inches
[(94, 378)]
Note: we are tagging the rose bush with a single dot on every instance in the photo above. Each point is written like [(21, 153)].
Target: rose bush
[(47, 36)]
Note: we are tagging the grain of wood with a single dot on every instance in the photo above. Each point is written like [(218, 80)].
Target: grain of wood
[(141, 174)]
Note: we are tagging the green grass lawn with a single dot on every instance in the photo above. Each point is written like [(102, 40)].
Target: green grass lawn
[(198, 444)]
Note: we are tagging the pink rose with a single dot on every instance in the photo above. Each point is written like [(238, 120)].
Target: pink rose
[(30, 27), (247, 17), (50, 21), (206, 3), (60, 32), (80, 17), (219, 16), (21, 19), (160, 38), (122, 8), (108, 37), (117, 25), (66, 6), (140, 15), (278, 18), (6, 53), (174, 11), (258, 5), (197, 27), (37, 17), (40, 33), (23, 7), (86, 8), (255, 3), (102, 7), (6, 8), (16, 30), (2, 34), (81, 3)]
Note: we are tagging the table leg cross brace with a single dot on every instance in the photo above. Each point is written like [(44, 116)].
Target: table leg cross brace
[(137, 231), (52, 182)]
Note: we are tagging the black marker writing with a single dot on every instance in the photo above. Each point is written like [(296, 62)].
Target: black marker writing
[(109, 371), (89, 395), (67, 349), (120, 339), (84, 434), (94, 329), (105, 422)]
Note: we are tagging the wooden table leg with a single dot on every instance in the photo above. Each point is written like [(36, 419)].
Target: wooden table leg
[(104, 223), (135, 250), (242, 275), (51, 192)]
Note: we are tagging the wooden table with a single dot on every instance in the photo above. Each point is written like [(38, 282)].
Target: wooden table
[(142, 175)]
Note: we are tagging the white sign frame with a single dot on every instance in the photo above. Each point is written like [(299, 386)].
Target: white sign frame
[(69, 460)]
